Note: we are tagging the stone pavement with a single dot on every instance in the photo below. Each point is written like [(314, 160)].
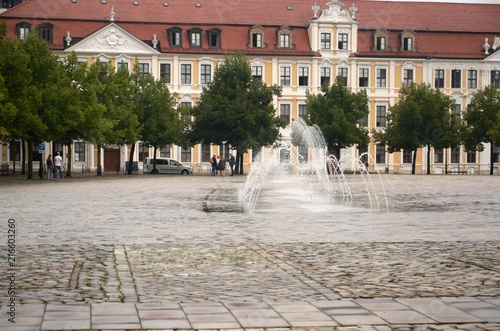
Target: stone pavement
[(174, 252)]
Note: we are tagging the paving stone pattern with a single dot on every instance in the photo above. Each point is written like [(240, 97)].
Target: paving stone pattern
[(180, 253)]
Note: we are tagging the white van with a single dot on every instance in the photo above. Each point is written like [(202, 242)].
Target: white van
[(165, 166)]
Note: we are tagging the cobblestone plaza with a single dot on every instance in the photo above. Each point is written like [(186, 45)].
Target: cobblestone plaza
[(181, 252)]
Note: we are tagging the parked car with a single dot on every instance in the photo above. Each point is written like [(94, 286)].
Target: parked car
[(165, 166)]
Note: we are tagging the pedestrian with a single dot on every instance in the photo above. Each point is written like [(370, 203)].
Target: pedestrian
[(50, 167), (232, 162), (59, 164), (222, 165), (213, 163)]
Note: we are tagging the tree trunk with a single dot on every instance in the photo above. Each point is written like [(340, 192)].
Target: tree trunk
[(99, 164), (491, 158), (131, 159), (154, 159), (239, 162), (30, 159), (23, 157), (68, 163), (413, 162), (428, 159)]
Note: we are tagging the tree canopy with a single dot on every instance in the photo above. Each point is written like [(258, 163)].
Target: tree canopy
[(337, 111), (420, 118), (481, 121), (237, 109)]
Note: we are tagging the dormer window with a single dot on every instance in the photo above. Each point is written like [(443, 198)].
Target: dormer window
[(45, 30), (174, 37), (214, 38), (285, 37), (23, 28), (380, 39), (195, 37), (257, 37), (408, 41)]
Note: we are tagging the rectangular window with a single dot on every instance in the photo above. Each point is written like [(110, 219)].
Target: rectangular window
[(256, 40), (185, 74), (342, 42), (186, 154), (325, 76), (381, 115), (285, 76), (79, 152), (380, 154), (381, 43), (472, 79), (46, 34), (285, 113), (456, 111), (381, 77), (495, 79), (214, 38), (326, 41), (439, 78), (455, 155), (175, 39), (363, 121), (407, 76), (284, 41), (143, 151), (471, 157), (343, 72), (205, 153), (438, 155), (303, 76), (23, 32), (303, 111), (195, 39), (122, 65), (186, 116), (165, 70), (144, 69), (456, 76), (363, 77), (15, 150), (165, 151), (257, 72), (206, 73), (407, 156), (408, 44)]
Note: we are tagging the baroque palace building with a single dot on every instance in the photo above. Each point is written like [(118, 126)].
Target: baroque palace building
[(299, 44)]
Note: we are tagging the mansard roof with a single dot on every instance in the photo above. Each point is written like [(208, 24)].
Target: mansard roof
[(442, 29)]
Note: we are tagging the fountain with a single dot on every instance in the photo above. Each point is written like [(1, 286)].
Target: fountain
[(301, 170)]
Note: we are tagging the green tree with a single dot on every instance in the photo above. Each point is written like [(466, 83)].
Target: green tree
[(481, 121), (31, 71), (420, 118), (65, 110), (162, 125), (116, 92), (8, 110), (237, 109), (337, 111)]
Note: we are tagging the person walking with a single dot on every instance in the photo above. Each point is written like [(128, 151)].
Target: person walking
[(213, 162), (222, 165), (50, 167), (58, 161), (232, 162)]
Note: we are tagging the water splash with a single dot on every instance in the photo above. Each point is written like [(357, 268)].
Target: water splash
[(303, 163)]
